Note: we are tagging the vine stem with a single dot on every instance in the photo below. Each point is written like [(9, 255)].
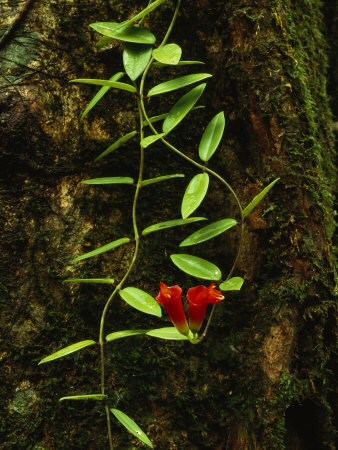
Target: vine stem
[(195, 163), (136, 233)]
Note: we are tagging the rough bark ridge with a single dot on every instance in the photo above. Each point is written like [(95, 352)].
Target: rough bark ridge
[(263, 378)]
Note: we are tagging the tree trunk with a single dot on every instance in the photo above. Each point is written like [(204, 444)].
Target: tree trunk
[(263, 377)]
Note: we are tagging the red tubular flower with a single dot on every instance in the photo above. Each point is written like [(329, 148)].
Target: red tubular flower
[(170, 299), (198, 298)]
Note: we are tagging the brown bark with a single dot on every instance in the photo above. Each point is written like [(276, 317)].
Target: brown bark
[(263, 377)]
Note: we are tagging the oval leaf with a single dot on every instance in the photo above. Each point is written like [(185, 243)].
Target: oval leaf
[(211, 137), (102, 249), (208, 232), (109, 180), (127, 33), (84, 397), (113, 84), (67, 350), (97, 97), (170, 223), (123, 334), (168, 54), (169, 333), (194, 194), (140, 300), (196, 267), (135, 59), (177, 83), (180, 63), (164, 178), (90, 280), (116, 144), (258, 198), (131, 426), (150, 139), (182, 107), (234, 284)]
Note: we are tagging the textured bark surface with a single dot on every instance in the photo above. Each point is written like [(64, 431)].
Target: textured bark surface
[(263, 378)]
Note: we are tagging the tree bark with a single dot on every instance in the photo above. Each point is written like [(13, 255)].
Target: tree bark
[(263, 378)]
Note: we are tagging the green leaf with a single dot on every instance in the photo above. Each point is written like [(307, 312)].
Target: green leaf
[(135, 59), (196, 267), (182, 107), (150, 139), (103, 41), (131, 426), (194, 194), (163, 178), (84, 397), (178, 83), (97, 97), (170, 333), (163, 116), (234, 284), (67, 350), (123, 32), (113, 84), (102, 249), (170, 223), (145, 11), (211, 137), (90, 280), (258, 198), (123, 334), (116, 144), (208, 232), (180, 63), (168, 54), (140, 300), (109, 180)]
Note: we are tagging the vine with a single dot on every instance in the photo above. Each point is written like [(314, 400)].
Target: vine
[(138, 58)]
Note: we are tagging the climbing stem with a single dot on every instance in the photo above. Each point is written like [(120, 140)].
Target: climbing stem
[(131, 265)]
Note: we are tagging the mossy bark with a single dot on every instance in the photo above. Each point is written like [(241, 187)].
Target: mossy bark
[(263, 378)]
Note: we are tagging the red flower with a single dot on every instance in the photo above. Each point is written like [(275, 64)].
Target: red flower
[(198, 298), (170, 299)]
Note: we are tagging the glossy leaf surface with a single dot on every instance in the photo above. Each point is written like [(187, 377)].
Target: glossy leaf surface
[(112, 84), (208, 232), (180, 63), (84, 397), (182, 107), (102, 249), (178, 83), (140, 300), (211, 137), (67, 350), (163, 178), (169, 333), (135, 59), (151, 139), (123, 32), (196, 267), (109, 180), (194, 194), (163, 116), (168, 54), (234, 284), (97, 97), (131, 426), (170, 223), (123, 334), (116, 144), (90, 280), (258, 198)]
